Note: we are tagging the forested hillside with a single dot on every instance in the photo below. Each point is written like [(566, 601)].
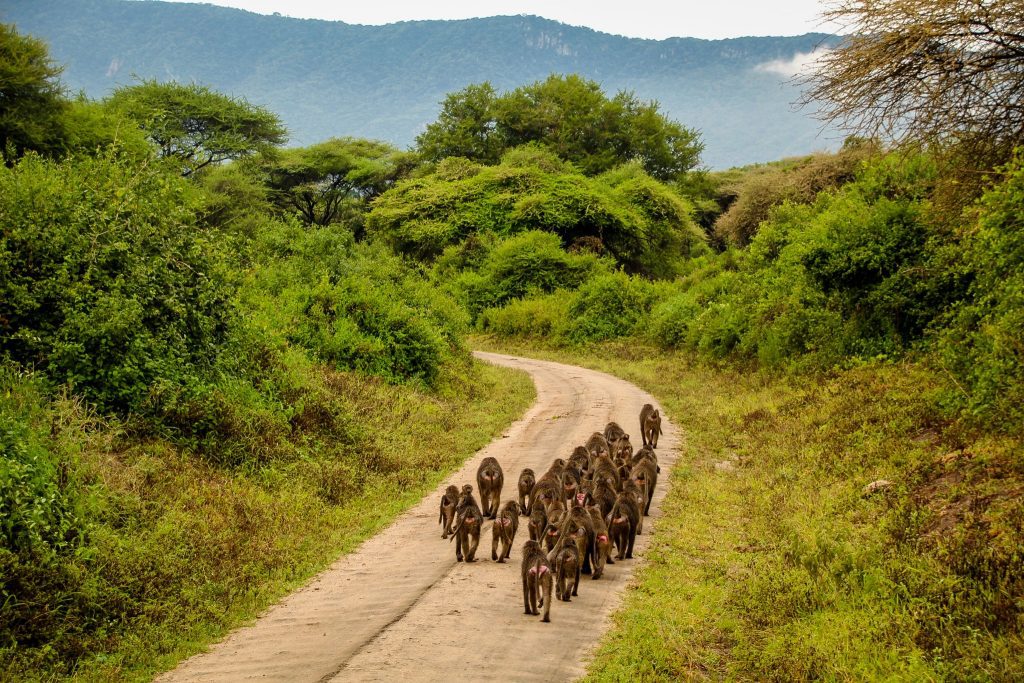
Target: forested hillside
[(330, 79)]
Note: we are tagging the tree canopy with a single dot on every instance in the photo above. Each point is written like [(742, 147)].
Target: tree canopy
[(31, 98), (571, 116), (317, 181), (927, 70), (197, 126)]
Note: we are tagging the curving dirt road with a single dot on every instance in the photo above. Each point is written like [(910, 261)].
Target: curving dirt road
[(400, 608)]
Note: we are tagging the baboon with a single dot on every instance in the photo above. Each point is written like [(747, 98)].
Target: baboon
[(537, 580), (538, 522), (545, 491), (570, 483), (613, 432), (606, 471), (567, 570), (639, 492), (650, 425), (578, 524), (527, 480), (469, 519), (622, 449), (504, 530), (597, 445), (600, 494), (489, 479), (449, 501), (645, 474), (552, 532), (580, 458), (555, 509), (622, 525), (602, 542), (647, 453)]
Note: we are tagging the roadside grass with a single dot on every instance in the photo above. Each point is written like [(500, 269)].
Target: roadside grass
[(772, 563), (182, 551)]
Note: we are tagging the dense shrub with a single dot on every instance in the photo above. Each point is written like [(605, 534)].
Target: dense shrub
[(983, 344), (640, 222), (356, 307), (609, 306), (751, 194), (530, 263), (106, 281)]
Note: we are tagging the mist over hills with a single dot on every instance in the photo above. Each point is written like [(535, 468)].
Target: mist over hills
[(328, 78)]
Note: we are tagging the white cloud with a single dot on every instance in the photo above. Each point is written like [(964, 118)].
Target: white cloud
[(800, 63)]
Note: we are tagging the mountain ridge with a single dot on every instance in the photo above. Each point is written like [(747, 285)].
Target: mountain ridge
[(330, 78)]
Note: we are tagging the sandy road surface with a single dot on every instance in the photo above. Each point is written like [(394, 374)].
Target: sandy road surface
[(400, 608)]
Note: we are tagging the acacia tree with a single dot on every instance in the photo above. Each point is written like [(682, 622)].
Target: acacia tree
[(933, 71), (195, 125), (319, 181)]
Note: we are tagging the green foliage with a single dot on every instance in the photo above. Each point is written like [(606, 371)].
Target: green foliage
[(639, 221), (106, 281), (572, 117), (540, 317), (355, 307), (750, 194), (32, 103), (320, 181), (608, 306), (860, 272), (195, 126), (526, 264), (983, 344)]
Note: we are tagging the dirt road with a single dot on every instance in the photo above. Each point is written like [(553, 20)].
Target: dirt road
[(400, 608)]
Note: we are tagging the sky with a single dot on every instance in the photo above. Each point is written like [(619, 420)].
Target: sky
[(634, 18)]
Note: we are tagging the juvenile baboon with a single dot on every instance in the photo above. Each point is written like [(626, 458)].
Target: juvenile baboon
[(622, 523), (504, 531), (645, 474), (537, 580), (613, 432), (449, 501), (538, 522), (602, 542), (650, 425), (597, 445), (552, 532), (545, 491), (600, 494), (469, 519), (555, 509), (567, 570), (527, 480), (490, 479)]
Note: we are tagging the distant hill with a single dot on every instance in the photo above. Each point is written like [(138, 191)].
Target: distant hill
[(327, 78)]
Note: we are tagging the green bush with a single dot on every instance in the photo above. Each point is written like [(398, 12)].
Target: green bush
[(106, 281), (538, 317), (983, 343), (609, 306), (529, 263), (640, 222)]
